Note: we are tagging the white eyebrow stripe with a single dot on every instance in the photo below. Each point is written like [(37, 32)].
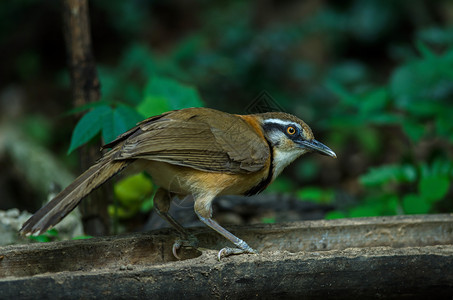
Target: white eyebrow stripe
[(282, 122)]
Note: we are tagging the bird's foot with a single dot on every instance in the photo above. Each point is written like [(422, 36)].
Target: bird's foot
[(227, 251), (190, 241)]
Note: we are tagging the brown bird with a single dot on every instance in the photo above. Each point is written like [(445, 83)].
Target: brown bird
[(195, 151)]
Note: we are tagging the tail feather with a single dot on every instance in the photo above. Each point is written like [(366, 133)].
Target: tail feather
[(70, 197)]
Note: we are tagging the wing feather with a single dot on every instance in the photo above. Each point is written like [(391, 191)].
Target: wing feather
[(190, 138)]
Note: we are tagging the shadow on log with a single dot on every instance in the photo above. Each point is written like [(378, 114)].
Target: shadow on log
[(386, 257)]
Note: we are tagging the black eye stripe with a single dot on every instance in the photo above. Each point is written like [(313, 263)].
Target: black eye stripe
[(270, 126)]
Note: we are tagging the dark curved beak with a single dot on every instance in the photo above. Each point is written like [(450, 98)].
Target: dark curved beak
[(319, 147)]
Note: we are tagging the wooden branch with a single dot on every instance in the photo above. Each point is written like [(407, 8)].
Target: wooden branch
[(388, 257), (85, 88), (85, 82)]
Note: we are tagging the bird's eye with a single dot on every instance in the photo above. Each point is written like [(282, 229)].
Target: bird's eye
[(291, 130)]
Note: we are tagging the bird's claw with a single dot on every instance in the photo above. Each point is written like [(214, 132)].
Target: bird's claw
[(190, 241), (227, 251)]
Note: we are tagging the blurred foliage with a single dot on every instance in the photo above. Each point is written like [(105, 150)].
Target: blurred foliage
[(134, 194), (52, 235), (420, 188), (126, 100), (373, 79), (316, 194), (49, 236), (268, 220), (417, 100), (164, 94)]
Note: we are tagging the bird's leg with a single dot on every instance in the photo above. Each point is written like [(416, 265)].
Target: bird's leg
[(203, 210), (162, 201)]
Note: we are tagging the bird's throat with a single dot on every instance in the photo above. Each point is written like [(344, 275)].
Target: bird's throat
[(282, 159)]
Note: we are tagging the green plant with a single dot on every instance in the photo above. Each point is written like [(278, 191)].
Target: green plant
[(49, 236), (316, 195), (418, 188), (134, 194), (136, 90), (52, 235), (416, 99)]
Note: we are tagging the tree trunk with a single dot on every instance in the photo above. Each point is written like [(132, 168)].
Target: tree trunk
[(85, 89)]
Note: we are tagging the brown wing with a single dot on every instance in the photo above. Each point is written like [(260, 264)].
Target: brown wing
[(199, 138), (133, 131)]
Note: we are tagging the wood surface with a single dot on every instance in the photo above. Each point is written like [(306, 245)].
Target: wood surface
[(385, 257)]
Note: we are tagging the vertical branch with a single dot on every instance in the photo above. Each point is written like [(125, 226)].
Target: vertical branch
[(85, 89), (85, 82)]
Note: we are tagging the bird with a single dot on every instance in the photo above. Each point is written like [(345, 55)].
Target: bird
[(199, 152)]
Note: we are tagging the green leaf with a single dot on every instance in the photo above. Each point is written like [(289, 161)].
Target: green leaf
[(414, 130), (365, 210), (281, 185), (426, 108), (316, 195), (88, 126), (414, 204), (130, 116), (391, 205), (434, 188), (383, 119), (341, 92), (147, 205), (52, 232), (389, 173), (436, 35), (87, 106), (369, 140), (48, 236), (122, 212), (82, 237), (373, 101), (381, 205), (268, 220), (441, 167), (152, 106), (425, 80), (138, 56), (121, 119), (112, 126), (424, 50), (133, 189), (348, 72), (40, 238), (335, 214), (163, 94), (444, 126)]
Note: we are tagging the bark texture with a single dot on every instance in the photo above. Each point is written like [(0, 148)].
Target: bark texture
[(388, 257), (85, 89)]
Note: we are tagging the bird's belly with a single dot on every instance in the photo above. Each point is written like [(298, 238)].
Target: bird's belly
[(189, 181)]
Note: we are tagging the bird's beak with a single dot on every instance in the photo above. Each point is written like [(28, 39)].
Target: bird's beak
[(319, 147)]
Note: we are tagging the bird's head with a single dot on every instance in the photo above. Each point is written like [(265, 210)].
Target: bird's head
[(289, 137)]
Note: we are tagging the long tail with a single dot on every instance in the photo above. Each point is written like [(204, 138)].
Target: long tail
[(70, 197)]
